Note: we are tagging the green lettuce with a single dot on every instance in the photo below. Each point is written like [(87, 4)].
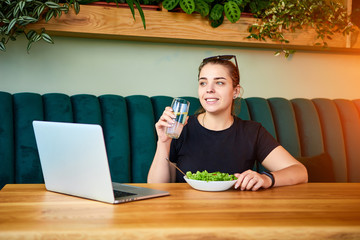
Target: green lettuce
[(213, 176)]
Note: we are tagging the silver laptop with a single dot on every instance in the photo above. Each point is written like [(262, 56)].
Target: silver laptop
[(74, 162)]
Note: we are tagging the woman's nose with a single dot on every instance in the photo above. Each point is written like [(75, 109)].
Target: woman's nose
[(210, 88)]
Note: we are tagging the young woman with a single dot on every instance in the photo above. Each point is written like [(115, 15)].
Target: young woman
[(216, 140)]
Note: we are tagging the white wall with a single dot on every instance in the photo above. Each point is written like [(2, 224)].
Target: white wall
[(100, 66)]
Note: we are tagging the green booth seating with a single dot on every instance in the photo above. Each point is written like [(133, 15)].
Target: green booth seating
[(321, 133)]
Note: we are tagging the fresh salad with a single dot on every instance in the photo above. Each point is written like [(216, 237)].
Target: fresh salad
[(213, 176)]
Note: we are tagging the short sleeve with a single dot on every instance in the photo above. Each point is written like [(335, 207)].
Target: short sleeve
[(265, 144)]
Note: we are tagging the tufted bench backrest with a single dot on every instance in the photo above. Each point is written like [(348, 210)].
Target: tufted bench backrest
[(304, 127)]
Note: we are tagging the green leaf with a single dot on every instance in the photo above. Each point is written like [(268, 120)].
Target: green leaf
[(277, 53), (29, 19), (137, 4), (58, 12), (131, 6), (188, 6), (47, 38), (217, 12), (21, 5), (30, 34), (64, 9), (40, 10), (11, 25), (2, 47), (16, 10), (170, 4), (52, 4), (76, 7), (29, 46), (232, 11), (216, 23), (36, 38), (202, 7), (49, 15)]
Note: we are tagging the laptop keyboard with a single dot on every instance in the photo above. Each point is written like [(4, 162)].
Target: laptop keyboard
[(118, 194)]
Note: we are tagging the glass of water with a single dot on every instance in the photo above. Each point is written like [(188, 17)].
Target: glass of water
[(181, 109)]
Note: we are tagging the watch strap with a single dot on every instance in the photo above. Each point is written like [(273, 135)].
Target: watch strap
[(271, 176)]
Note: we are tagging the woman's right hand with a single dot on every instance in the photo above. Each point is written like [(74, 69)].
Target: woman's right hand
[(166, 120)]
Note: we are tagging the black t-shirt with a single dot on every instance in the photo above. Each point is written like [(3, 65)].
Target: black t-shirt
[(233, 150)]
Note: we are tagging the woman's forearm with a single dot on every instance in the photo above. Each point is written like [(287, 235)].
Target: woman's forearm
[(291, 175), (285, 168), (161, 171)]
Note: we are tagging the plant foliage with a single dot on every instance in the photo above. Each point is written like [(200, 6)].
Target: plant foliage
[(326, 17), (16, 15), (215, 10), (275, 16)]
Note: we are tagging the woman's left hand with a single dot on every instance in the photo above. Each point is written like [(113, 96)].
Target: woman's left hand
[(251, 180)]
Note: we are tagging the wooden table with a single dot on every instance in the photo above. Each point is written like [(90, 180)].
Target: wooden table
[(306, 211)]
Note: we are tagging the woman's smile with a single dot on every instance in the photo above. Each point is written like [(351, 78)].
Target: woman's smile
[(211, 100)]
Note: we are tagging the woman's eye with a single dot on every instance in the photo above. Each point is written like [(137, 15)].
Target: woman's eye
[(202, 83), (220, 83)]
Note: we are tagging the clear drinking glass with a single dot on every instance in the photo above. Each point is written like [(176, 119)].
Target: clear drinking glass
[(181, 109)]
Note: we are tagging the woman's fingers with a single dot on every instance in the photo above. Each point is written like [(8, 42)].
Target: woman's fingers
[(258, 185), (167, 118), (249, 180)]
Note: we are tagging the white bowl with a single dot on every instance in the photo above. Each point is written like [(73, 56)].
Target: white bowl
[(212, 186)]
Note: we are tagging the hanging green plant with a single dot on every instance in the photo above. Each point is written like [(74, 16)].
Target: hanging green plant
[(326, 18), (16, 15)]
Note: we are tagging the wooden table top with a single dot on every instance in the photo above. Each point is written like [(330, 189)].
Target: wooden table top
[(305, 211)]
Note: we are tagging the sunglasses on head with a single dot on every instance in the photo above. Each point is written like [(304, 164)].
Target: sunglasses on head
[(221, 57)]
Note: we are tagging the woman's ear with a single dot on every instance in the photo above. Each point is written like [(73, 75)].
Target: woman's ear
[(237, 91)]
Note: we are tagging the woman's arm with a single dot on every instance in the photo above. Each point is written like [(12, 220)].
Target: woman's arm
[(285, 169), (161, 171)]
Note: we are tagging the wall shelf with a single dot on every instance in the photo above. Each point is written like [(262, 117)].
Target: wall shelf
[(173, 27)]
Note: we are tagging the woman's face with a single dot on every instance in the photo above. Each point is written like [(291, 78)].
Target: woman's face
[(216, 91)]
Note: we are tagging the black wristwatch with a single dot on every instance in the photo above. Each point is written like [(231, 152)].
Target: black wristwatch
[(271, 176)]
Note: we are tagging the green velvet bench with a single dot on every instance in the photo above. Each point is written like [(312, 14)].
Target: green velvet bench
[(322, 133)]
